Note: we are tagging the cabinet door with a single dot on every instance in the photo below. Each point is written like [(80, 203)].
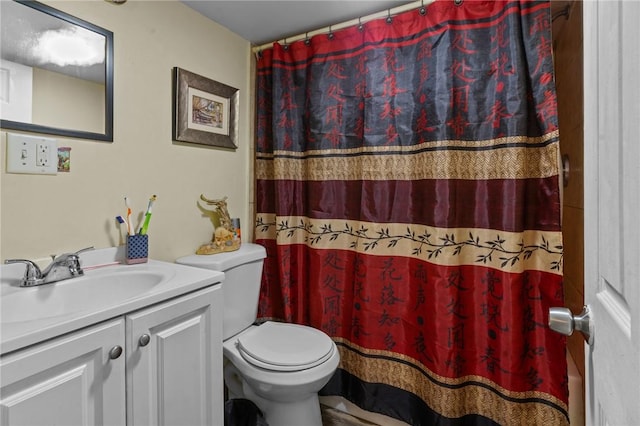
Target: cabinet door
[(71, 380), (174, 355)]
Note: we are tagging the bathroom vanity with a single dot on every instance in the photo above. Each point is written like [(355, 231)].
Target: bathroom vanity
[(124, 344)]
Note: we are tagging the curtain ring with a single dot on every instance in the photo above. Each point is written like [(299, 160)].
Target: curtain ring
[(360, 24), (306, 39), (458, 2), (330, 35), (389, 19), (285, 46), (422, 10)]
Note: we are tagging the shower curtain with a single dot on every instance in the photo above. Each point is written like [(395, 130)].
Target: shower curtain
[(408, 197)]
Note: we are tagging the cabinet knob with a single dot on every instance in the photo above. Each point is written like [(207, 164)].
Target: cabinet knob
[(115, 352), (144, 340)]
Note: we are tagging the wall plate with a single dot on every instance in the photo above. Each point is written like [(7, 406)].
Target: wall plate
[(31, 154)]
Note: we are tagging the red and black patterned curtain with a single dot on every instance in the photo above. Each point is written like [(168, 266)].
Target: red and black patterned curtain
[(408, 197)]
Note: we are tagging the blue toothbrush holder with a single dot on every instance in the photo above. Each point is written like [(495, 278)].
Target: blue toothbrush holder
[(137, 249)]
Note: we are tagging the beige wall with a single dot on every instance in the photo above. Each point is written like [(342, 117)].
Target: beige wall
[(42, 215)]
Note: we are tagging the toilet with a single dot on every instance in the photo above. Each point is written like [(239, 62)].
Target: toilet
[(279, 366)]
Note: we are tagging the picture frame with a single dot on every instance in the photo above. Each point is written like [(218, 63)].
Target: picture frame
[(205, 111)]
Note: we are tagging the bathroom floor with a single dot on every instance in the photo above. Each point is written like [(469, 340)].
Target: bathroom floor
[(333, 417)]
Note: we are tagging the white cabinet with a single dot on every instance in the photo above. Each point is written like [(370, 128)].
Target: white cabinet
[(169, 371), (174, 351), (71, 380)]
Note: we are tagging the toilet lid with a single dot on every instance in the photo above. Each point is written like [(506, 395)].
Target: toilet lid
[(285, 347)]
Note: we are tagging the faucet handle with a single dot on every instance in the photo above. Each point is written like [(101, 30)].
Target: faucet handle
[(75, 253), (67, 257), (72, 261), (31, 275), (74, 264), (85, 249)]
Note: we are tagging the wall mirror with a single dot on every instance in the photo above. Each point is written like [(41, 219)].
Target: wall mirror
[(56, 72)]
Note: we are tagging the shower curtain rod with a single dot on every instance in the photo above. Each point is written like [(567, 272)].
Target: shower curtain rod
[(385, 13)]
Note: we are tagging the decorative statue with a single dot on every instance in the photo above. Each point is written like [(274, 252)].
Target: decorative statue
[(225, 237)]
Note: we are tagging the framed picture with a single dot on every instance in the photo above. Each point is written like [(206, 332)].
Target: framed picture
[(205, 111)]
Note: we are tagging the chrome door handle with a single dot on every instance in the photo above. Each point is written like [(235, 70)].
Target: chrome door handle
[(564, 322)]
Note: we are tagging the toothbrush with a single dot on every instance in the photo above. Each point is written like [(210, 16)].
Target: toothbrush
[(128, 222), (147, 216), (121, 221)]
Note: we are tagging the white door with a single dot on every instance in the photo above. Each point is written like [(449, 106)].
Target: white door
[(612, 210)]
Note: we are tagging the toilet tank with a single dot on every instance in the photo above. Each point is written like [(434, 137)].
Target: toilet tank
[(241, 286)]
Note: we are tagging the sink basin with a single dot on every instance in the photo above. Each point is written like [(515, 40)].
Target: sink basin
[(92, 292), (107, 292)]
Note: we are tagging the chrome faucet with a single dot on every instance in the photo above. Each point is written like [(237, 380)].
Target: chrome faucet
[(62, 267)]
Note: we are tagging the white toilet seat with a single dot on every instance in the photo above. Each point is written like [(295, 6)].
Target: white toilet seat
[(285, 347)]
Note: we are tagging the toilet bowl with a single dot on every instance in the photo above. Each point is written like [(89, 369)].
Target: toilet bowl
[(282, 378), (279, 366)]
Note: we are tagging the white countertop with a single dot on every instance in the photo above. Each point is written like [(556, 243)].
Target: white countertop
[(96, 263)]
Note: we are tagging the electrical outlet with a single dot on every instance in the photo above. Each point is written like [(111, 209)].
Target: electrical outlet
[(43, 154), (31, 154)]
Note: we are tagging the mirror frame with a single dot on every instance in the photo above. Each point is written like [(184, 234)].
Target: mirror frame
[(108, 119)]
